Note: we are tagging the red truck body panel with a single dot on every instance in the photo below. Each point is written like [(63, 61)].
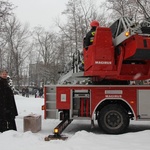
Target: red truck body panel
[(98, 94)]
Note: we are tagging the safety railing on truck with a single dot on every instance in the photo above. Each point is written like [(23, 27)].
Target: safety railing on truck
[(72, 72)]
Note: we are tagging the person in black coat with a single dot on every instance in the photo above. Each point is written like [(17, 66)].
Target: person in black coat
[(8, 109), (27, 91), (41, 92)]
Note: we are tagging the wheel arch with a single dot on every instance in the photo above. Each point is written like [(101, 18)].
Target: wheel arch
[(120, 102)]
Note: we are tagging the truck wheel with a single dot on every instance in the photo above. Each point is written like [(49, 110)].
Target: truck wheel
[(113, 119)]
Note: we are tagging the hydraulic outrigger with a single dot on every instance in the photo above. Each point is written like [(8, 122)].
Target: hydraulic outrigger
[(58, 130)]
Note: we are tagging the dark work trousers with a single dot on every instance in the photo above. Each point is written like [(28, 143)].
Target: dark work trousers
[(7, 125)]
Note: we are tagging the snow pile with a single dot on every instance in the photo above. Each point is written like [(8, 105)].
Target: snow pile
[(80, 135)]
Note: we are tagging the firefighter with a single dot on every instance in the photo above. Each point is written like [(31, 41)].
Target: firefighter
[(8, 109), (88, 40)]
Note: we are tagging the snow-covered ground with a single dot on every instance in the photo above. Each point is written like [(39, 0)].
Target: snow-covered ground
[(80, 135)]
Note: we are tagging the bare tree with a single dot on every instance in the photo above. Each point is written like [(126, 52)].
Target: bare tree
[(5, 12), (143, 7), (131, 8), (17, 47), (77, 13), (45, 44), (5, 8)]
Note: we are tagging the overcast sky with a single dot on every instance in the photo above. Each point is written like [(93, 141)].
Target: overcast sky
[(39, 12)]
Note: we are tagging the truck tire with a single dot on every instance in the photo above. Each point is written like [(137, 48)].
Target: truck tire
[(113, 119)]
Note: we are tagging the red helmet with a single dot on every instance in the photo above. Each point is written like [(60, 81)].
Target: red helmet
[(94, 23)]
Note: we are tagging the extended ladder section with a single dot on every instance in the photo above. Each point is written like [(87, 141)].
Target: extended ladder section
[(125, 27), (122, 29)]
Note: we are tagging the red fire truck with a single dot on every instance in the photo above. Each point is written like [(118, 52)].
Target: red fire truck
[(119, 54)]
